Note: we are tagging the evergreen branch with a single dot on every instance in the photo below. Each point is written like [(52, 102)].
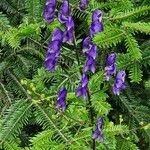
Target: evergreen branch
[(135, 12), (139, 26), (10, 146), (8, 6), (131, 111), (6, 93), (48, 119), (4, 22), (18, 83), (135, 73), (17, 119), (34, 8), (133, 47), (110, 37)]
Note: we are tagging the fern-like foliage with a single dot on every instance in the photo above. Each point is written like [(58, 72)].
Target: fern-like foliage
[(29, 92), (14, 120)]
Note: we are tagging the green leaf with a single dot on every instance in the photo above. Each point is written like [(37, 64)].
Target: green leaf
[(135, 73), (111, 36), (139, 26), (133, 47)]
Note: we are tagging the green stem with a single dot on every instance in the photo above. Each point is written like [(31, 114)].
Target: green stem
[(89, 104)]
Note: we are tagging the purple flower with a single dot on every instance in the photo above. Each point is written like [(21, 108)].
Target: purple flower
[(82, 90), (97, 15), (111, 59), (52, 55), (98, 131), (92, 52), (68, 33), (61, 99), (70, 23), (96, 27), (64, 11), (83, 4), (86, 43), (68, 36), (119, 83), (90, 65), (57, 35), (49, 10), (110, 70), (110, 66)]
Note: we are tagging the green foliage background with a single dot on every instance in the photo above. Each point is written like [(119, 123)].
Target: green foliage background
[(28, 119)]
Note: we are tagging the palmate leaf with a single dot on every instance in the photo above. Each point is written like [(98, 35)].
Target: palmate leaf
[(15, 119), (139, 26), (110, 37)]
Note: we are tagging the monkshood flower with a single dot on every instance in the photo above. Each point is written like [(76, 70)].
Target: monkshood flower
[(52, 55), (110, 66), (83, 4), (49, 10), (119, 83), (82, 90), (97, 15), (111, 59), (96, 25), (68, 33), (57, 35), (92, 52), (98, 132), (86, 44), (110, 70), (64, 12), (61, 99), (90, 65)]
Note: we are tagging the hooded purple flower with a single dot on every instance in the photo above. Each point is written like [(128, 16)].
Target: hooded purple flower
[(68, 33), (61, 99), (92, 52), (111, 59), (64, 11), (57, 35), (86, 44), (83, 4), (53, 52), (119, 83), (110, 66), (49, 10), (110, 70), (98, 132), (90, 65), (97, 15), (96, 27), (82, 90)]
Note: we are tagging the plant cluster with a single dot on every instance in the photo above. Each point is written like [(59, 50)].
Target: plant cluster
[(74, 74)]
